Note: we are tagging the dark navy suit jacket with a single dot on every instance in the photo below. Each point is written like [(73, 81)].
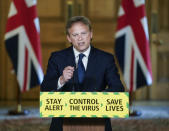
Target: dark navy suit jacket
[(101, 72), (101, 75)]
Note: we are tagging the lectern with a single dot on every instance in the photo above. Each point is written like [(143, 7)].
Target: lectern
[(84, 111), (83, 124)]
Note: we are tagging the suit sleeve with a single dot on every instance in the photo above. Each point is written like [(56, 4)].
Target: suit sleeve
[(50, 81), (112, 77)]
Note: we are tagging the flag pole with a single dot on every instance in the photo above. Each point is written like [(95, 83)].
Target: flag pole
[(18, 110), (132, 112)]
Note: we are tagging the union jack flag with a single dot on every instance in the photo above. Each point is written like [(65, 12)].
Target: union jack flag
[(23, 43), (132, 44)]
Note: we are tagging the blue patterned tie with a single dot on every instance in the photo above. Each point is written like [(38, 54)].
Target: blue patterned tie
[(81, 69)]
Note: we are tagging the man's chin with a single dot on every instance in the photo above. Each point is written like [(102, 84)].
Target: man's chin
[(83, 49)]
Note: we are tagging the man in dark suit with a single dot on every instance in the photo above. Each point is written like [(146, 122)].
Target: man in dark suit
[(81, 67)]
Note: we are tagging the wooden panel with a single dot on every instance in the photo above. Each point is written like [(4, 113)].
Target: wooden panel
[(142, 93), (81, 7), (52, 32), (162, 65), (102, 8), (49, 8), (161, 91), (46, 52), (85, 124), (164, 36), (32, 94), (2, 75), (103, 35), (7, 80), (110, 50), (103, 32), (106, 47), (164, 14)]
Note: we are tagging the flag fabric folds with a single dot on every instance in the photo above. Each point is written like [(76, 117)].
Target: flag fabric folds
[(22, 40), (132, 44)]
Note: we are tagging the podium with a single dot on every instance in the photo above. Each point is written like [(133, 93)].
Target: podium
[(84, 111), (83, 124)]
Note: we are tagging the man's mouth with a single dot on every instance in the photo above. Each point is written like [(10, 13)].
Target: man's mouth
[(81, 43)]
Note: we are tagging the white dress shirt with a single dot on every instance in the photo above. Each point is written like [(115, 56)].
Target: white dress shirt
[(84, 60)]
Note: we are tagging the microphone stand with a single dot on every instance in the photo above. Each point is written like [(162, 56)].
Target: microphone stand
[(74, 75)]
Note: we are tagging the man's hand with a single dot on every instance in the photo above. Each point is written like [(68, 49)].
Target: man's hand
[(66, 75)]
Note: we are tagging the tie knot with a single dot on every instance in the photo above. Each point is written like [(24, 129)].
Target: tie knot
[(81, 55)]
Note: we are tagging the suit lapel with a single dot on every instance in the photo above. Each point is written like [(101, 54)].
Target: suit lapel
[(91, 61), (71, 62), (70, 57), (90, 66)]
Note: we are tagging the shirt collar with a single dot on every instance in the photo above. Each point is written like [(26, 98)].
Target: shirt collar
[(86, 53)]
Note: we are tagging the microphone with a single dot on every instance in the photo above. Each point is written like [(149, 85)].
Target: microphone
[(74, 75)]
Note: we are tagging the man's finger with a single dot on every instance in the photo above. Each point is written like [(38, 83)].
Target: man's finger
[(69, 68)]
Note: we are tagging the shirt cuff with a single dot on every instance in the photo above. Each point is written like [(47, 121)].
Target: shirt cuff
[(59, 84)]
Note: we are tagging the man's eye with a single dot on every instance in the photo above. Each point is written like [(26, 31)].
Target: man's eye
[(74, 35), (83, 33)]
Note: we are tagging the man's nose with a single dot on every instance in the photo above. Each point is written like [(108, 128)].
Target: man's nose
[(80, 37)]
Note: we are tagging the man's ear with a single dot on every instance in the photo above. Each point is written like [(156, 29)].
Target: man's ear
[(68, 38), (91, 35)]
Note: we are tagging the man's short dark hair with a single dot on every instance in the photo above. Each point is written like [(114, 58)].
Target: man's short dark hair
[(77, 19)]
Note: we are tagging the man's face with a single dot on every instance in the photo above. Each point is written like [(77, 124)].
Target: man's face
[(80, 36)]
